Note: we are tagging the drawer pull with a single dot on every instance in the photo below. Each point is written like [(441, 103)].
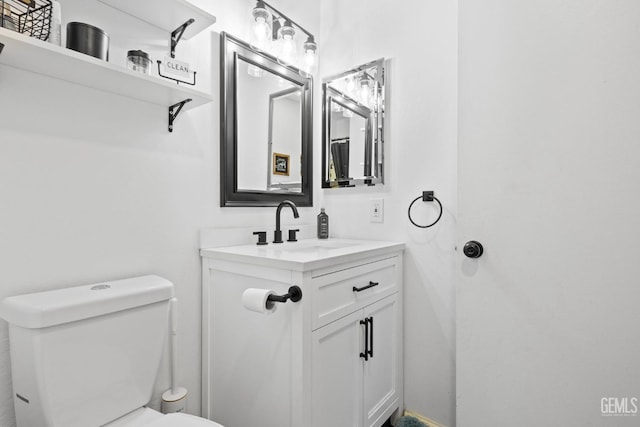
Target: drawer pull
[(368, 338), (370, 285), (365, 354), (370, 351)]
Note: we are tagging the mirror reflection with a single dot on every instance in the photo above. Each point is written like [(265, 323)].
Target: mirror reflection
[(266, 129), (285, 152), (353, 127), (269, 136)]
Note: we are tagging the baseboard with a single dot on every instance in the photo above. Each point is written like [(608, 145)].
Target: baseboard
[(422, 418)]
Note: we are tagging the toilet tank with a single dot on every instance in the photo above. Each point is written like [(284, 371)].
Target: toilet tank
[(86, 355)]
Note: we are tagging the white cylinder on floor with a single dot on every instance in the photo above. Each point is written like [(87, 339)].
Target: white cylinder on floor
[(174, 400)]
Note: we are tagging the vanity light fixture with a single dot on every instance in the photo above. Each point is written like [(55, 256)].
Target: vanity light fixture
[(275, 33)]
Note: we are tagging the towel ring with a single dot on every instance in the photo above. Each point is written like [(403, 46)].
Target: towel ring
[(427, 196)]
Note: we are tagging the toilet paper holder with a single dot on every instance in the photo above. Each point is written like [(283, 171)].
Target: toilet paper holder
[(294, 294)]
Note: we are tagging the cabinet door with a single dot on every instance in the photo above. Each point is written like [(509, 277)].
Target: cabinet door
[(336, 373), (381, 372)]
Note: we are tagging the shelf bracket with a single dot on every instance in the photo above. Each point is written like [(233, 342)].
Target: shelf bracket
[(1, 47), (176, 35), (174, 110)]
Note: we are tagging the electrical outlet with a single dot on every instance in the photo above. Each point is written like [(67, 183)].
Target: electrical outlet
[(376, 210)]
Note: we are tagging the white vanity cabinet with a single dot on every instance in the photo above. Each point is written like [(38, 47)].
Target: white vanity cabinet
[(348, 389), (332, 359)]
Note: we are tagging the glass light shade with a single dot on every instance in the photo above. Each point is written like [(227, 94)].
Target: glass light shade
[(287, 49), (260, 27), (309, 62)]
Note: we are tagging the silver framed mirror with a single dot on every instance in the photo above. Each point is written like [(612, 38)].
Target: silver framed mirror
[(266, 129), (353, 110)]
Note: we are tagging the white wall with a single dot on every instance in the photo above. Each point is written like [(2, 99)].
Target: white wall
[(93, 187), (420, 38)]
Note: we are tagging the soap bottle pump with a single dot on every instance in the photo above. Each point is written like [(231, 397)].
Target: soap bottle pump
[(323, 225)]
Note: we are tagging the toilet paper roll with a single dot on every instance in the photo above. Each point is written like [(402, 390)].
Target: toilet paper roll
[(256, 300)]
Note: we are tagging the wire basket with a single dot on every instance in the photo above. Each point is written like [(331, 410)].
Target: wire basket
[(31, 17)]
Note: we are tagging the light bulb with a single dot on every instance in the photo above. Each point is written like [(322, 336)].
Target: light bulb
[(287, 45), (260, 28)]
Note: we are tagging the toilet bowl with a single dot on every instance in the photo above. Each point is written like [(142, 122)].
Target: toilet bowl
[(88, 356)]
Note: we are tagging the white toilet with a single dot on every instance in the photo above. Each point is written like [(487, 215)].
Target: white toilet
[(88, 356)]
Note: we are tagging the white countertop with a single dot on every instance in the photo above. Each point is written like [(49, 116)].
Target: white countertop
[(303, 255)]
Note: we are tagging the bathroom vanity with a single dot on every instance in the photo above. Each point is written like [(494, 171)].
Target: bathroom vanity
[(334, 358)]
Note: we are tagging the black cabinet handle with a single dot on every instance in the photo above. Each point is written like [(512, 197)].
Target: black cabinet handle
[(370, 319), (365, 354), (370, 285)]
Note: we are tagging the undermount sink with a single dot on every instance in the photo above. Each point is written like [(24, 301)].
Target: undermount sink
[(303, 254), (316, 245)]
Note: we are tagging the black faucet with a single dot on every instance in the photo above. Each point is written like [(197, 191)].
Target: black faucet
[(277, 235)]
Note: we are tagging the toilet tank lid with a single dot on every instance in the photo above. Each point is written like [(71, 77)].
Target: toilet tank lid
[(43, 309)]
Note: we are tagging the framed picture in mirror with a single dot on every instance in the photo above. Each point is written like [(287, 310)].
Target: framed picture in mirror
[(280, 164)]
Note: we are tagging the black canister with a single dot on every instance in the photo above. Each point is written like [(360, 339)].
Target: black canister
[(87, 39)]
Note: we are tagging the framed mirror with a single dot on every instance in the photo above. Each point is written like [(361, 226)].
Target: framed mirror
[(266, 129), (353, 127)]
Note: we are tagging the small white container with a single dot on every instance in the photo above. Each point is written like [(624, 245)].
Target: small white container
[(139, 61)]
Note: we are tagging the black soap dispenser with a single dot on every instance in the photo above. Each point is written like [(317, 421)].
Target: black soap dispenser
[(323, 225)]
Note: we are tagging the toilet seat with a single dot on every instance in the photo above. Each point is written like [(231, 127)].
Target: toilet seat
[(182, 420), (147, 417)]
